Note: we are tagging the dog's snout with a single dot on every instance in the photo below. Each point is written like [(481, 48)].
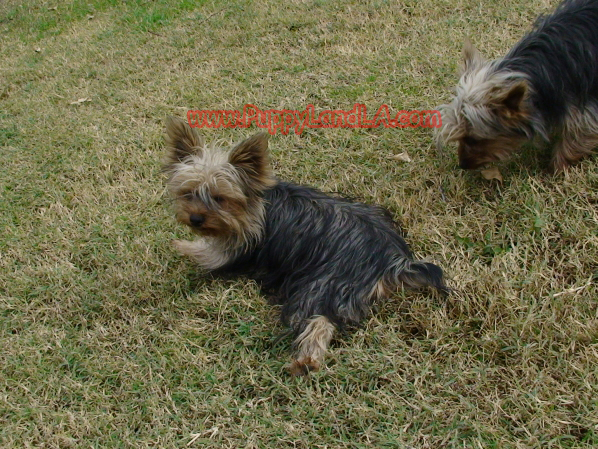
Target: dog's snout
[(468, 163), (196, 220), (464, 164)]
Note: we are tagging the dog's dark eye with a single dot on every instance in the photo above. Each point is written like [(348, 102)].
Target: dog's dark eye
[(218, 199), (470, 141)]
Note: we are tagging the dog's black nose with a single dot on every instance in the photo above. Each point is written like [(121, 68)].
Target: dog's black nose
[(196, 220)]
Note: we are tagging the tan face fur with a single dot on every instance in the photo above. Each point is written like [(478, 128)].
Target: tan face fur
[(217, 192)]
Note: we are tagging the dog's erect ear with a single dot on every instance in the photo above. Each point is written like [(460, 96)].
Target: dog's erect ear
[(472, 58), (181, 139), (251, 157), (514, 96), (508, 101)]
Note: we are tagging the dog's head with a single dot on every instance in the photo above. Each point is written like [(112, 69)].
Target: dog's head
[(217, 191), (489, 116)]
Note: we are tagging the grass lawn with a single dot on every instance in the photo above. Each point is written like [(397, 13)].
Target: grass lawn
[(109, 339)]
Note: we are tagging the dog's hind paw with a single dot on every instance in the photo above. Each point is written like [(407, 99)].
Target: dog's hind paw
[(303, 366)]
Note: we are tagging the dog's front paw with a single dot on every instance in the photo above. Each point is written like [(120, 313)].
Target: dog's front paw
[(183, 246), (208, 256)]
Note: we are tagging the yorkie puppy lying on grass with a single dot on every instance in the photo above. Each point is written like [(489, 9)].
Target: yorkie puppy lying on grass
[(326, 260)]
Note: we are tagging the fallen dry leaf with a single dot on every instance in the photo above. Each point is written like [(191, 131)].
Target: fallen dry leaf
[(37, 49), (492, 173), (80, 100), (401, 157)]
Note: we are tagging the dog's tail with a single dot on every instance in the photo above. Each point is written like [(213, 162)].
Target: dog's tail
[(416, 274)]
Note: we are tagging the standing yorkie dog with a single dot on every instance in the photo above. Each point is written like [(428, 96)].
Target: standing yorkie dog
[(546, 86), (325, 259)]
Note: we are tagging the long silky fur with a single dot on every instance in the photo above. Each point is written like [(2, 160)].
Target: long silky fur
[(324, 256), (560, 59)]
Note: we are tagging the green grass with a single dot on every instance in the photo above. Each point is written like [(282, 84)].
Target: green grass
[(110, 339)]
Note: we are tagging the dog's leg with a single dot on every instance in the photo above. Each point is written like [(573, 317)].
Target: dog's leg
[(571, 148), (207, 255), (311, 345)]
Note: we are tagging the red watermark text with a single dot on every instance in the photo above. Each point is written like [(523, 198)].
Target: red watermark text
[(285, 119)]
